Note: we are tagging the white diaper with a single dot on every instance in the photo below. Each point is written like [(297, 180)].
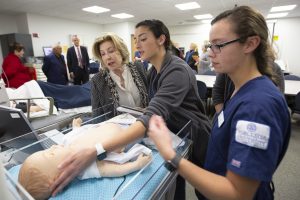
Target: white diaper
[(131, 154), (90, 172)]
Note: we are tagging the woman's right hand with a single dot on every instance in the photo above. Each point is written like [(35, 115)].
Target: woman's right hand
[(72, 167), (159, 133)]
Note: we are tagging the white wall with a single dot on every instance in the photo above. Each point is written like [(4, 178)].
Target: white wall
[(123, 30), (22, 23), (288, 44), (184, 35), (53, 30), (8, 24)]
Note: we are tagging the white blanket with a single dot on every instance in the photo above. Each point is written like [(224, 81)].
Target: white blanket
[(92, 171), (32, 89)]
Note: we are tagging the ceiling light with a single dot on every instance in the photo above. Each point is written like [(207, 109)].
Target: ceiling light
[(271, 21), (187, 6), (95, 9), (277, 15), (122, 16), (206, 21), (282, 8), (205, 16)]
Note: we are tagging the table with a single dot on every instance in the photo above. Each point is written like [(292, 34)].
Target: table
[(207, 79), (291, 87)]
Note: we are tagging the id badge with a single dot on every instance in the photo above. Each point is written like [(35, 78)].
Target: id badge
[(220, 119)]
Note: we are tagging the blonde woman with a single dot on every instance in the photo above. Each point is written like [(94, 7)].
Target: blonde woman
[(119, 82)]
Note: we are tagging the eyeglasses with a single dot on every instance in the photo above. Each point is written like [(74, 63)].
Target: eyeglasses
[(216, 48)]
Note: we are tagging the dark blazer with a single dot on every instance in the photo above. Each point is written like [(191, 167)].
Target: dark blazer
[(72, 60), (55, 69)]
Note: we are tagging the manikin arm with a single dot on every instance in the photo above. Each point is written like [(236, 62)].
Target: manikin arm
[(111, 169)]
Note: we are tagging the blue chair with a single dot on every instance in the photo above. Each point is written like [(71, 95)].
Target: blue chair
[(296, 109), (94, 67), (202, 90), (203, 93), (292, 77)]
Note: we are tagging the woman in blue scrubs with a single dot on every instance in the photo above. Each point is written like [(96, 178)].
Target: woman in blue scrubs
[(250, 135)]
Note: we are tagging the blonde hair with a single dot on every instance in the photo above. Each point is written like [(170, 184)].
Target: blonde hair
[(118, 43), (194, 46), (36, 183)]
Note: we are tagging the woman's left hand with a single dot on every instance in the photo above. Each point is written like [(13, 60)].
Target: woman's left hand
[(72, 166)]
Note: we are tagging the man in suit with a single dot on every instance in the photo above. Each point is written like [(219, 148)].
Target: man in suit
[(55, 68), (78, 62)]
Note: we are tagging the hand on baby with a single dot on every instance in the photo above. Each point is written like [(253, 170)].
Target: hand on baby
[(77, 122), (143, 159), (35, 109)]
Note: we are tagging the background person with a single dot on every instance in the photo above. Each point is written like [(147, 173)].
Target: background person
[(119, 82), (188, 56), (78, 62), (14, 72), (137, 58), (204, 61), (54, 67), (250, 136)]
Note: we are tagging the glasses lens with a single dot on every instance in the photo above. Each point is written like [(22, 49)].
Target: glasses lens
[(214, 48)]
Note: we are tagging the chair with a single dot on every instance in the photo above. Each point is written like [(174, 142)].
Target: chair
[(202, 90), (296, 109), (203, 93), (292, 77)]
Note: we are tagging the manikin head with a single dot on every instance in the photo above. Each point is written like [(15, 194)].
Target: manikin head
[(40, 169)]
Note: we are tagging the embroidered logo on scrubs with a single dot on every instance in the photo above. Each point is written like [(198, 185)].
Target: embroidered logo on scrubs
[(252, 134), (251, 127)]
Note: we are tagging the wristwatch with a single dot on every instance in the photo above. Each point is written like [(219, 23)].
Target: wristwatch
[(101, 153), (173, 164)]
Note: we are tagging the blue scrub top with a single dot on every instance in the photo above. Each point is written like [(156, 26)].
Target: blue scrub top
[(251, 134)]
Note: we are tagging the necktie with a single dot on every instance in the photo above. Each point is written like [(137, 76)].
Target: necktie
[(79, 58)]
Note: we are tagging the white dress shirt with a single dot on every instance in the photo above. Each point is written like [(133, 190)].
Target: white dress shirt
[(128, 96)]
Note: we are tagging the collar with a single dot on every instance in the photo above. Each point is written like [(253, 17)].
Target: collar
[(166, 61)]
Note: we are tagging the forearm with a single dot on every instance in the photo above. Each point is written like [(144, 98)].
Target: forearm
[(133, 132), (110, 169), (211, 185)]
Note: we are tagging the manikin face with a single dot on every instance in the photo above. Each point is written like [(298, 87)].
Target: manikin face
[(147, 44), (111, 57), (48, 160), (231, 55)]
